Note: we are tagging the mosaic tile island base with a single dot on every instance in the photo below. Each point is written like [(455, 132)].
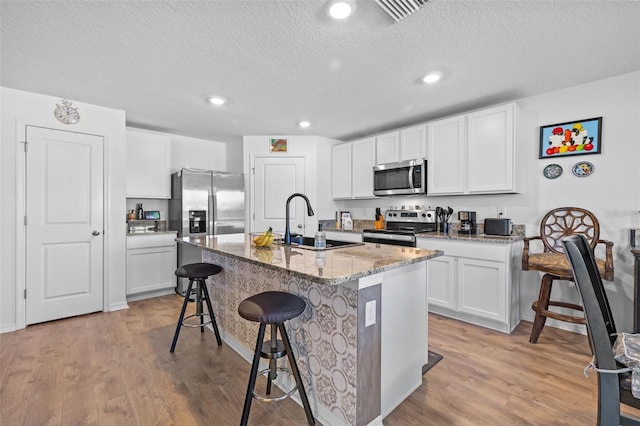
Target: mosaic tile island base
[(355, 372)]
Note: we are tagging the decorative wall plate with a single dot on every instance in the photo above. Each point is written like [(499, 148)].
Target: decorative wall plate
[(552, 171), (583, 169)]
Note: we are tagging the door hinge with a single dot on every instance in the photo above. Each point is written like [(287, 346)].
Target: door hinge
[(25, 220), (253, 170), (25, 145), (25, 293), (254, 216)]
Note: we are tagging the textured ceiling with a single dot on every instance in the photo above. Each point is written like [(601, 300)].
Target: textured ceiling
[(281, 61)]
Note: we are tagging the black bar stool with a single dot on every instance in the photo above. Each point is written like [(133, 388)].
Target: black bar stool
[(273, 308), (198, 273)]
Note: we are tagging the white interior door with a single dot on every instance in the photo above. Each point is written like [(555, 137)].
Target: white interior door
[(275, 179), (64, 224)]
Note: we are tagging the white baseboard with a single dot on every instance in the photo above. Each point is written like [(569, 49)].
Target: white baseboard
[(118, 306), (150, 294), (8, 328)]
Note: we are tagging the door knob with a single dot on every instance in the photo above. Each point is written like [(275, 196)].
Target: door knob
[(299, 226), (95, 233)]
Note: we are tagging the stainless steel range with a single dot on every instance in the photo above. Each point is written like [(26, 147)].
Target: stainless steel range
[(402, 227)]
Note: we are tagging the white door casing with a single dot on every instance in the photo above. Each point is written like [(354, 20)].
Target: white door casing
[(64, 224), (279, 177)]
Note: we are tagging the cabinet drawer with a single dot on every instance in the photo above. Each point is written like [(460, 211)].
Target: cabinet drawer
[(142, 241), (468, 249)]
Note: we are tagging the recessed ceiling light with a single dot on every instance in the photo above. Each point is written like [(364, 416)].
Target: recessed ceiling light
[(217, 100), (304, 124), (341, 9), (432, 77)]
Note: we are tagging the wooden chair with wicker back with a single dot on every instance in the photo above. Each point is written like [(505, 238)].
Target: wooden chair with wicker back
[(556, 225)]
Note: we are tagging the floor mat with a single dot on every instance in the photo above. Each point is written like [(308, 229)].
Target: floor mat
[(434, 358)]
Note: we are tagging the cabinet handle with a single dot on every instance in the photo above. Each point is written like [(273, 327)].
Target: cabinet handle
[(95, 233)]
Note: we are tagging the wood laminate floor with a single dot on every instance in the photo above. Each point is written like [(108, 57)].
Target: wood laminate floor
[(116, 369)]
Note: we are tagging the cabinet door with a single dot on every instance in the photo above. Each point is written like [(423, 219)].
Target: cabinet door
[(150, 268), (441, 282), (363, 159), (490, 150), (148, 165), (388, 148), (341, 171), (412, 143), (482, 288), (446, 154)]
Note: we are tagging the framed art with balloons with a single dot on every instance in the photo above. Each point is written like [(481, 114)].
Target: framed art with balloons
[(578, 137)]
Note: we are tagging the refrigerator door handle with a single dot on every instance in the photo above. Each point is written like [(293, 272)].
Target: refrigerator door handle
[(212, 230)]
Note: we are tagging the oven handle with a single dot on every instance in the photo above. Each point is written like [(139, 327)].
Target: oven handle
[(387, 237)]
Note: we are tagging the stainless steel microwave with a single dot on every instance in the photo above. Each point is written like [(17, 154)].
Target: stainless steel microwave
[(402, 178)]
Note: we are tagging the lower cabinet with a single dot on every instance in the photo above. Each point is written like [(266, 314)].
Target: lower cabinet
[(475, 282), (151, 265), (352, 237)]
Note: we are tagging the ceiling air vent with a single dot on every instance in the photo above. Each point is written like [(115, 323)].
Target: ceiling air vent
[(400, 9)]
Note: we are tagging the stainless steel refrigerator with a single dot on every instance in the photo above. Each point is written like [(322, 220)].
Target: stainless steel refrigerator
[(204, 202)]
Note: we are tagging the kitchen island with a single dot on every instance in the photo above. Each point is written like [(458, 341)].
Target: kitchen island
[(362, 340)]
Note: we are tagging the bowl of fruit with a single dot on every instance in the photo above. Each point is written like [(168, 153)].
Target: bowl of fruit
[(265, 239)]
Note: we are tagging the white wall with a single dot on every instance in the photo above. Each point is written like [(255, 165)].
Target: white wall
[(20, 108), (317, 173), (611, 193), (195, 153)]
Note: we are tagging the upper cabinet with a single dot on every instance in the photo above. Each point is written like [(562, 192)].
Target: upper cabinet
[(413, 142), (148, 164), (352, 169), (341, 171), (388, 148), (473, 153), (404, 144)]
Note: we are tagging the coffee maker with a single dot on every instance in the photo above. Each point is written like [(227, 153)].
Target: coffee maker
[(467, 222)]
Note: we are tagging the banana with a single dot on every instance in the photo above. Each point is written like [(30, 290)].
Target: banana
[(265, 239)]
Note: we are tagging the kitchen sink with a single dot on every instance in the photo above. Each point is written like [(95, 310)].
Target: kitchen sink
[(307, 243)]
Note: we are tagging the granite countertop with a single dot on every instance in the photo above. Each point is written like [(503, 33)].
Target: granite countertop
[(331, 267), (481, 238)]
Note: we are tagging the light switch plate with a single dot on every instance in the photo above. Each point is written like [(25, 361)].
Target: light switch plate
[(370, 313)]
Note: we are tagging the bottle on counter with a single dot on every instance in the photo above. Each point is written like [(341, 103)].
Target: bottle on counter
[(139, 211), (320, 240)]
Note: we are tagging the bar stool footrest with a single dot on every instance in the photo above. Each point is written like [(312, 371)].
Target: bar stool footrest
[(198, 325), (271, 398)]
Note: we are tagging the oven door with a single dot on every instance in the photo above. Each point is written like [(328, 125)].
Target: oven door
[(395, 238)]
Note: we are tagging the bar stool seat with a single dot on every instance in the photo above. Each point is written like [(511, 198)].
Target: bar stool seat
[(273, 308), (197, 273)]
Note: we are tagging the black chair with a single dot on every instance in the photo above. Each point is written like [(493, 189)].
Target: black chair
[(273, 308), (198, 274), (614, 387)]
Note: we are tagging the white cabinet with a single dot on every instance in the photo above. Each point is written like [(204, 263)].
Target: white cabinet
[(341, 171), (475, 282), (413, 142), (388, 148), (473, 153), (148, 164), (446, 148), (352, 237), (400, 145), (151, 265), (362, 161), (352, 169), (490, 150)]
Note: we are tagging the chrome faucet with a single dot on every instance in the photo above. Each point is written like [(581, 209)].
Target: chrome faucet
[(287, 231)]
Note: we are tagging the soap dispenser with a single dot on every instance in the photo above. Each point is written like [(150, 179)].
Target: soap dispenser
[(320, 240)]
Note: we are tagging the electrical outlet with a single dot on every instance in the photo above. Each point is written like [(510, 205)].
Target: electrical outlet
[(370, 313), (501, 212)]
